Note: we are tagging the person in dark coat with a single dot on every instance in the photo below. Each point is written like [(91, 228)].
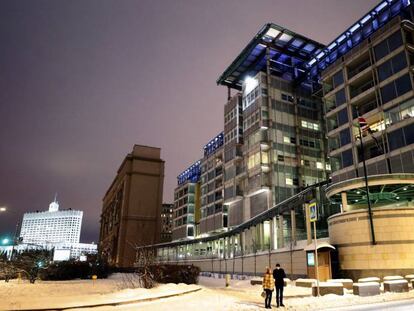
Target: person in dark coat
[(279, 275)]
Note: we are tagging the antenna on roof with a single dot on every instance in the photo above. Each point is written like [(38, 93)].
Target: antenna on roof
[(55, 197)]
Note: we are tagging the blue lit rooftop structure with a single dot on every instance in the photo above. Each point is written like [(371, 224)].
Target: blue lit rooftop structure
[(295, 57), (214, 144), (354, 35), (289, 54), (191, 174)]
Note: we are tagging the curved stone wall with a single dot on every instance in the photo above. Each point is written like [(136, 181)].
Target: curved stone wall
[(392, 255)]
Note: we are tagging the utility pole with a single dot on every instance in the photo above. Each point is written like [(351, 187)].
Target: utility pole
[(371, 223)]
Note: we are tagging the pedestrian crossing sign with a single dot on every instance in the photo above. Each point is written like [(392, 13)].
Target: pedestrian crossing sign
[(313, 212)]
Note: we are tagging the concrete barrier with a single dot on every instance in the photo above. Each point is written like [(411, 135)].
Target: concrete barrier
[(366, 289), (396, 286), (347, 283), (409, 277), (305, 282), (257, 281), (326, 288), (369, 280)]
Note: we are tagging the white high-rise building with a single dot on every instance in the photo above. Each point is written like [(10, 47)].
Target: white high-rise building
[(52, 226)]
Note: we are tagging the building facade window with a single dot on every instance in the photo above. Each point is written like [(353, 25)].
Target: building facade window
[(396, 139), (392, 66), (347, 159), (388, 45), (340, 97), (342, 117), (338, 78), (396, 88), (345, 137)]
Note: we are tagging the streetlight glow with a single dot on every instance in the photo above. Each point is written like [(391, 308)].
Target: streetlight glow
[(5, 241), (3, 209)]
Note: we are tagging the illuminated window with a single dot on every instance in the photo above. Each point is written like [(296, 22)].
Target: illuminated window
[(265, 158)]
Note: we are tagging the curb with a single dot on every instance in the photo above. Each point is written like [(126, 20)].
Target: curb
[(111, 303)]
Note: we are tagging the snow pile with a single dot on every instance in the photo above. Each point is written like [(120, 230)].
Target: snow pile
[(367, 284), (339, 280), (54, 294), (393, 277), (370, 279), (328, 284)]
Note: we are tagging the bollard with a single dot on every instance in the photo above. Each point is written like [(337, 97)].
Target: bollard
[(227, 280), (94, 277)]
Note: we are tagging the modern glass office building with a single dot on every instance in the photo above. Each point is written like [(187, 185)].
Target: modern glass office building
[(294, 119), (213, 212), (186, 213)]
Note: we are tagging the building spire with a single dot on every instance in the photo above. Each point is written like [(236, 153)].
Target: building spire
[(54, 206)]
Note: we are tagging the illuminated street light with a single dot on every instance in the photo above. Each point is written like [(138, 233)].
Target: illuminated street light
[(15, 240)]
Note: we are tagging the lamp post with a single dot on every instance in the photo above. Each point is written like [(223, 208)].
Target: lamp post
[(4, 209)]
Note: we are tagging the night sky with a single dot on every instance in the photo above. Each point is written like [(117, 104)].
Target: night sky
[(82, 81)]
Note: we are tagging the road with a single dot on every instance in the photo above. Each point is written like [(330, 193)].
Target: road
[(213, 299), (402, 305)]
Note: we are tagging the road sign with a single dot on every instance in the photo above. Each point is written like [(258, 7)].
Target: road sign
[(313, 212)]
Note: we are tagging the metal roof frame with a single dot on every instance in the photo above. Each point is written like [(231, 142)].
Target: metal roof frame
[(376, 18), (310, 62), (289, 53)]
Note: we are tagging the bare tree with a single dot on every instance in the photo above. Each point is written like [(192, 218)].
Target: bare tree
[(145, 259), (254, 245)]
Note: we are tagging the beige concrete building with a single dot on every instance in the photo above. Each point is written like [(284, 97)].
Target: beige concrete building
[(131, 211)]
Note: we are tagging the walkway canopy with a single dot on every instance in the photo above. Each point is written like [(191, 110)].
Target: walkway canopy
[(320, 245)]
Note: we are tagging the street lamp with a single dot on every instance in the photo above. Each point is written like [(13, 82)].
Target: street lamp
[(15, 238)]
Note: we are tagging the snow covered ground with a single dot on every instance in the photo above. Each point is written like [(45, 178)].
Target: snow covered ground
[(17, 295), (213, 296), (299, 298), (245, 297)]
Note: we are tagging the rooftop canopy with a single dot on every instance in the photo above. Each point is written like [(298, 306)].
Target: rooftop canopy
[(289, 54), (354, 35), (295, 57), (214, 144), (191, 174)]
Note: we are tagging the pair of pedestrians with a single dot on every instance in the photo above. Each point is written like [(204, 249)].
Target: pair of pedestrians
[(269, 283)]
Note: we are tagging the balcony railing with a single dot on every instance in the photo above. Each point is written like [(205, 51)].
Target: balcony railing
[(371, 105), (355, 91), (361, 67)]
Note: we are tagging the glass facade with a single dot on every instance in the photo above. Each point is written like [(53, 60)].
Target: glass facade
[(284, 135)]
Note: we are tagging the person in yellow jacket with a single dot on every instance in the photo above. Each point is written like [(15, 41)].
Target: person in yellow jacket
[(268, 286)]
